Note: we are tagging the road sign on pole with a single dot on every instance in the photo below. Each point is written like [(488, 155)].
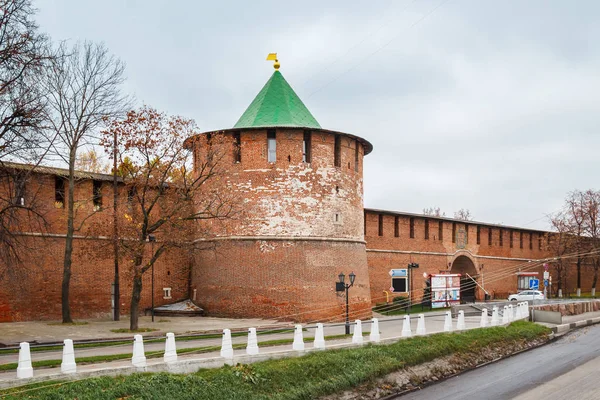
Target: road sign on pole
[(534, 283)]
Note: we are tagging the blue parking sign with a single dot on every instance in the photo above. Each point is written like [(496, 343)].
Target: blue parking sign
[(534, 283)]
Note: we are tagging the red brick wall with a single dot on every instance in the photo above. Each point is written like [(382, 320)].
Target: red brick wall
[(284, 279), (290, 199), (31, 290), (500, 263)]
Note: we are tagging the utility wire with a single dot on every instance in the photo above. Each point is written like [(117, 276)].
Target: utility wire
[(379, 49)]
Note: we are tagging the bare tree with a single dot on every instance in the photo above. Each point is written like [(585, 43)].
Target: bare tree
[(84, 87), (576, 219), (434, 212), (592, 231), (24, 56), (166, 195), (560, 242), (463, 214)]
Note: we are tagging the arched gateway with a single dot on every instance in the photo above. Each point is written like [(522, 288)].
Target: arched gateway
[(464, 265)]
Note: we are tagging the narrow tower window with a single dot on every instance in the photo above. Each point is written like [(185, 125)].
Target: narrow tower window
[(466, 233), (337, 151), (441, 230), (59, 191), (19, 190), (426, 229), (356, 156), (521, 239), (478, 234), (237, 148), (306, 147), (489, 236), (500, 238), (510, 238), (271, 146), (396, 226), (97, 194), (412, 228), (454, 232), (530, 241), (380, 224)]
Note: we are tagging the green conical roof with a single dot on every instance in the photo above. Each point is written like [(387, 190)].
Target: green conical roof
[(277, 105)]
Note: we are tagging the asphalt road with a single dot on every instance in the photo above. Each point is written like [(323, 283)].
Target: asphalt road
[(565, 369)]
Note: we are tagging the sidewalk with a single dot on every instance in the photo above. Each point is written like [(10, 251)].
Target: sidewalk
[(12, 333)]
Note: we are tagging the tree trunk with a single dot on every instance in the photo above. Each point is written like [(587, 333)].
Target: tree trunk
[(136, 293), (67, 262), (595, 280), (578, 273)]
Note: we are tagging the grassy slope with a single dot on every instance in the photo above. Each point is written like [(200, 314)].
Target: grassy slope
[(305, 377)]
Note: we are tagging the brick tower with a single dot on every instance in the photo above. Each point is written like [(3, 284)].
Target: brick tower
[(301, 220)]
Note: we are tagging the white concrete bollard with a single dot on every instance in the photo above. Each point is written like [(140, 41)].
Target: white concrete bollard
[(406, 332), (68, 365), (319, 337), (139, 357), (226, 344), (298, 344), (252, 346), (375, 336), (460, 322), (24, 368), (505, 315), (357, 337), (448, 322), (526, 310), (511, 314), (520, 311), (421, 325), (484, 318), (170, 355), (495, 318)]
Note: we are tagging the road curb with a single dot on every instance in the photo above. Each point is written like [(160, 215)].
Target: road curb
[(565, 328)]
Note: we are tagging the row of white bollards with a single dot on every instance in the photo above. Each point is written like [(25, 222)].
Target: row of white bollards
[(69, 366)]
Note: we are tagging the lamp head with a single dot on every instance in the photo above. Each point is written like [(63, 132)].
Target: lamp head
[(341, 277), (352, 277)]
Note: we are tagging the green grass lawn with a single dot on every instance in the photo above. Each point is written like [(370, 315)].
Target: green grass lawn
[(307, 377)]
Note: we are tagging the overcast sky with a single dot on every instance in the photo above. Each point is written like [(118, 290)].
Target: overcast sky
[(489, 105)]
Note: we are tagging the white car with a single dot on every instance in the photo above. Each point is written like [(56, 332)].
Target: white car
[(527, 295)]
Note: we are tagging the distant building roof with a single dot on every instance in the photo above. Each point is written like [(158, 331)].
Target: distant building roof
[(277, 105)]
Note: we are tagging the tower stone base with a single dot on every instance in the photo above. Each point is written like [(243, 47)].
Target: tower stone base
[(286, 279)]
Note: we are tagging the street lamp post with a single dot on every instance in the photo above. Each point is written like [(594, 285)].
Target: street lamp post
[(340, 287), (411, 266), (152, 239)]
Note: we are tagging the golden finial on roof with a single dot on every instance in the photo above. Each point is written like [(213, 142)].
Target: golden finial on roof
[(273, 57)]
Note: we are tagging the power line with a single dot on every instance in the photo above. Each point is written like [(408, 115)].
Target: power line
[(369, 35), (379, 49)]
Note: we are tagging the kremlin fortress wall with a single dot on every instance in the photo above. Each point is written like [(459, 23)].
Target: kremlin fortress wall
[(301, 222)]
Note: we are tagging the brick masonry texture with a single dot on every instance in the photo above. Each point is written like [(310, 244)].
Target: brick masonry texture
[(298, 226), (301, 224), (493, 265)]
